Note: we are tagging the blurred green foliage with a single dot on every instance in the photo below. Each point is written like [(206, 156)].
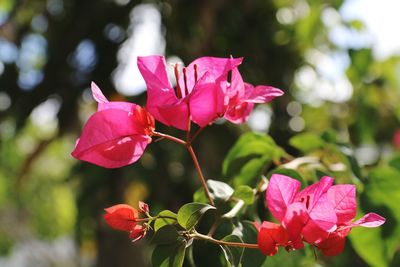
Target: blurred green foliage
[(45, 194)]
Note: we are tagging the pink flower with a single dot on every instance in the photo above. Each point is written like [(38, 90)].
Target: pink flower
[(125, 218), (199, 95), (307, 213), (242, 97), (116, 135), (320, 214)]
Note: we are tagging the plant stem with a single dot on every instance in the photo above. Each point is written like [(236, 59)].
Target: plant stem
[(170, 137), (151, 218), (221, 242), (200, 173), (194, 158)]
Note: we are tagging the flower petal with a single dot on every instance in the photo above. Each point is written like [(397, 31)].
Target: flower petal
[(281, 192), (98, 94), (262, 94), (217, 68), (238, 109), (323, 214), (206, 101), (295, 218), (333, 245), (370, 220), (271, 235), (319, 208), (111, 138), (121, 217), (312, 233), (312, 193), (176, 114), (154, 72), (105, 104), (343, 198), (239, 113), (162, 102), (137, 233), (237, 87)]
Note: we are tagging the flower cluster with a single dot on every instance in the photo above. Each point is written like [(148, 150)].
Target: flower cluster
[(321, 214), (118, 133)]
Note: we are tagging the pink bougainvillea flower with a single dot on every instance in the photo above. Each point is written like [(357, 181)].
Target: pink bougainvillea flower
[(242, 96), (199, 94), (306, 214), (320, 214), (125, 218), (116, 135), (343, 197), (270, 237)]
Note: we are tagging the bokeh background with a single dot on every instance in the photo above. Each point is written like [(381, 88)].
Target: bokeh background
[(337, 61)]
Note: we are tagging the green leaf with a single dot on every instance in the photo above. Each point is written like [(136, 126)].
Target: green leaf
[(306, 142), (219, 190), (381, 195), (171, 255), (164, 221), (247, 159), (166, 235), (190, 214), (251, 171), (329, 136), (383, 188), (200, 196), (244, 193), (394, 161), (233, 255), (362, 238)]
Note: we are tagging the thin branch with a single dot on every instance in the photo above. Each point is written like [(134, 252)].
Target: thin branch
[(170, 137), (200, 173), (221, 242)]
